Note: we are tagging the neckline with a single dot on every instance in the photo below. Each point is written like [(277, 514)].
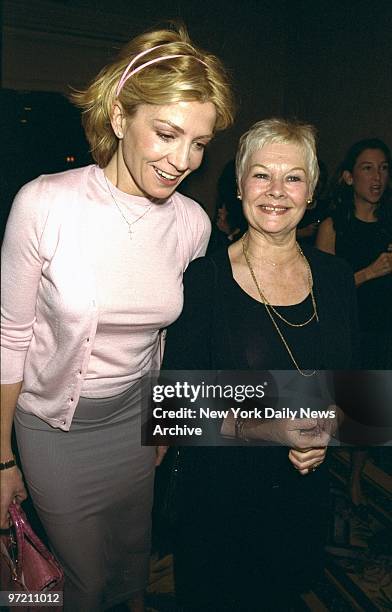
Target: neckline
[(126, 199), (365, 222), (254, 300)]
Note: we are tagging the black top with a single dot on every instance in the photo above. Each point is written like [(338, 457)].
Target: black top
[(360, 245), (222, 327), (244, 511)]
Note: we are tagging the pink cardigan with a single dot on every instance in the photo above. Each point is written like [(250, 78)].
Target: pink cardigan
[(44, 341)]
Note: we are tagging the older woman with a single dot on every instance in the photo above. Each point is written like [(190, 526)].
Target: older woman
[(92, 271), (252, 520)]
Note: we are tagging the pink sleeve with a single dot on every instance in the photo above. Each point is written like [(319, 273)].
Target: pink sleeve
[(21, 267)]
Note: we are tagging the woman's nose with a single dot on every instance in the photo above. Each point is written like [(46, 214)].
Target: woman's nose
[(276, 188), (179, 157), (377, 174)]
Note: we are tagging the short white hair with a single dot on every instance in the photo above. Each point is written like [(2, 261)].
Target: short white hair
[(278, 131)]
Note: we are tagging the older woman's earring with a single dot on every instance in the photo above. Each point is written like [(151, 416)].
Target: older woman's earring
[(308, 202), (239, 196)]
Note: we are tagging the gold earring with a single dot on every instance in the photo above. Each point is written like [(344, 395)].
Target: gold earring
[(309, 201), (239, 196)]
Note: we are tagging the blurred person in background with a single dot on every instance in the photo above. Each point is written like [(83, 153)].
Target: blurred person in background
[(229, 223), (316, 211), (359, 230)]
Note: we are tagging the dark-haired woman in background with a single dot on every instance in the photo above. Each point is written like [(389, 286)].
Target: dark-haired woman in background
[(360, 231)]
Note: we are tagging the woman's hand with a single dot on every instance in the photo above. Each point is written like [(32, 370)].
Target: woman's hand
[(309, 438), (12, 485), (308, 460), (160, 454), (380, 267), (12, 489), (301, 434)]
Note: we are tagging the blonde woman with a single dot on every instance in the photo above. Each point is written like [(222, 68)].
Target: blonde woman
[(92, 270)]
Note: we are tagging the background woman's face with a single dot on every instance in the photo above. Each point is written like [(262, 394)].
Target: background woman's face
[(369, 177)]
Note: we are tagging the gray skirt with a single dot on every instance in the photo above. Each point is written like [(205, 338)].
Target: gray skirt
[(93, 488)]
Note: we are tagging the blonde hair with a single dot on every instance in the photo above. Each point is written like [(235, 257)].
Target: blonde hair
[(164, 82), (278, 131)]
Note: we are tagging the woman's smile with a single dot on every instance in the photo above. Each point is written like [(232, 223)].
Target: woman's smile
[(166, 178), (270, 209)]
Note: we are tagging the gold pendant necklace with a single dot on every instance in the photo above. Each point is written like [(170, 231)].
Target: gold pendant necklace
[(129, 224), (270, 309)]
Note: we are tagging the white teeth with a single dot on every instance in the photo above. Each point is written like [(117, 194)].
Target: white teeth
[(165, 175), (274, 208)]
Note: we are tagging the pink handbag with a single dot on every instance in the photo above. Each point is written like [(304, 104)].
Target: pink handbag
[(26, 563)]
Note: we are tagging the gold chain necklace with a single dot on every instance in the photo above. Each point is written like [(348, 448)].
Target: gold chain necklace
[(265, 300), (129, 224), (270, 308)]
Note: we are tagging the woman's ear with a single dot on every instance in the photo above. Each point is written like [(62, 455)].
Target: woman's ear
[(348, 177), (118, 120)]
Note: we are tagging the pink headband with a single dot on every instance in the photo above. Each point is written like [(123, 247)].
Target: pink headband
[(128, 72)]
